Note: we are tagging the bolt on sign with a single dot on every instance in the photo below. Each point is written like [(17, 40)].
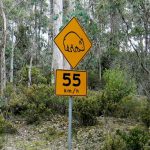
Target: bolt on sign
[(73, 42), (71, 83)]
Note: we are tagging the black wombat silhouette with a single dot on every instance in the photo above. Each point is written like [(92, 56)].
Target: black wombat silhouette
[(73, 43)]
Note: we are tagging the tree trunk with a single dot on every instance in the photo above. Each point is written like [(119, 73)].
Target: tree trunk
[(2, 49), (12, 57), (30, 71), (33, 48), (50, 29), (114, 28), (57, 60)]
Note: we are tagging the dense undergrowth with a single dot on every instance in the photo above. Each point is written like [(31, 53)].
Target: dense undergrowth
[(118, 99)]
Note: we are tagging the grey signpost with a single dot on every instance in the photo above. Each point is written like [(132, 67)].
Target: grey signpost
[(70, 124)]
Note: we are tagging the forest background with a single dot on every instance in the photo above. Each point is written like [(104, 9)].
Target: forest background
[(118, 63)]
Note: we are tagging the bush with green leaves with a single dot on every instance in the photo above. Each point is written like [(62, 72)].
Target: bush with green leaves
[(114, 142), (37, 102), (86, 109), (136, 138), (17, 103), (10, 89), (2, 103), (6, 126), (36, 74), (132, 106), (118, 84), (42, 96), (93, 80), (145, 115)]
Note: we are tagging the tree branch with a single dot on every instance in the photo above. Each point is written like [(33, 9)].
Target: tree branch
[(14, 6), (135, 49)]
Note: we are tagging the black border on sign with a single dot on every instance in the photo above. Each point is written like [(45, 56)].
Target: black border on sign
[(71, 71), (85, 35)]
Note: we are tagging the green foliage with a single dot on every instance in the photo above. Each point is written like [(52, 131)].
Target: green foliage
[(136, 139), (132, 106), (58, 104), (118, 85), (9, 90), (6, 126), (17, 103), (145, 115), (93, 80), (86, 108), (108, 58), (22, 38), (52, 133), (37, 101), (2, 103), (37, 76), (42, 96), (114, 142)]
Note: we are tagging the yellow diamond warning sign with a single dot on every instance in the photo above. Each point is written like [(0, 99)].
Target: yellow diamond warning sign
[(73, 42)]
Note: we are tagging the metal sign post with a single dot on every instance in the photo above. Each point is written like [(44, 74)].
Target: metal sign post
[(70, 124)]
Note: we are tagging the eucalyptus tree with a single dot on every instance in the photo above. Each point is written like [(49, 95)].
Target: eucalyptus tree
[(31, 21), (136, 28), (57, 57), (3, 47)]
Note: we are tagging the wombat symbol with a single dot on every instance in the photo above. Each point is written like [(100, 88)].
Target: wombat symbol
[(73, 43)]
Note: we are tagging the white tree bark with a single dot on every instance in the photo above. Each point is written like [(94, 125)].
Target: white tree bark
[(30, 71), (12, 57), (57, 60), (2, 48), (33, 49)]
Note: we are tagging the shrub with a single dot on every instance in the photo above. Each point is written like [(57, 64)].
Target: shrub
[(132, 106), (145, 115), (85, 109), (114, 142), (17, 103), (118, 85), (37, 101), (9, 91), (2, 103), (52, 133), (37, 93), (6, 126), (136, 139), (93, 80), (58, 104), (37, 76)]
